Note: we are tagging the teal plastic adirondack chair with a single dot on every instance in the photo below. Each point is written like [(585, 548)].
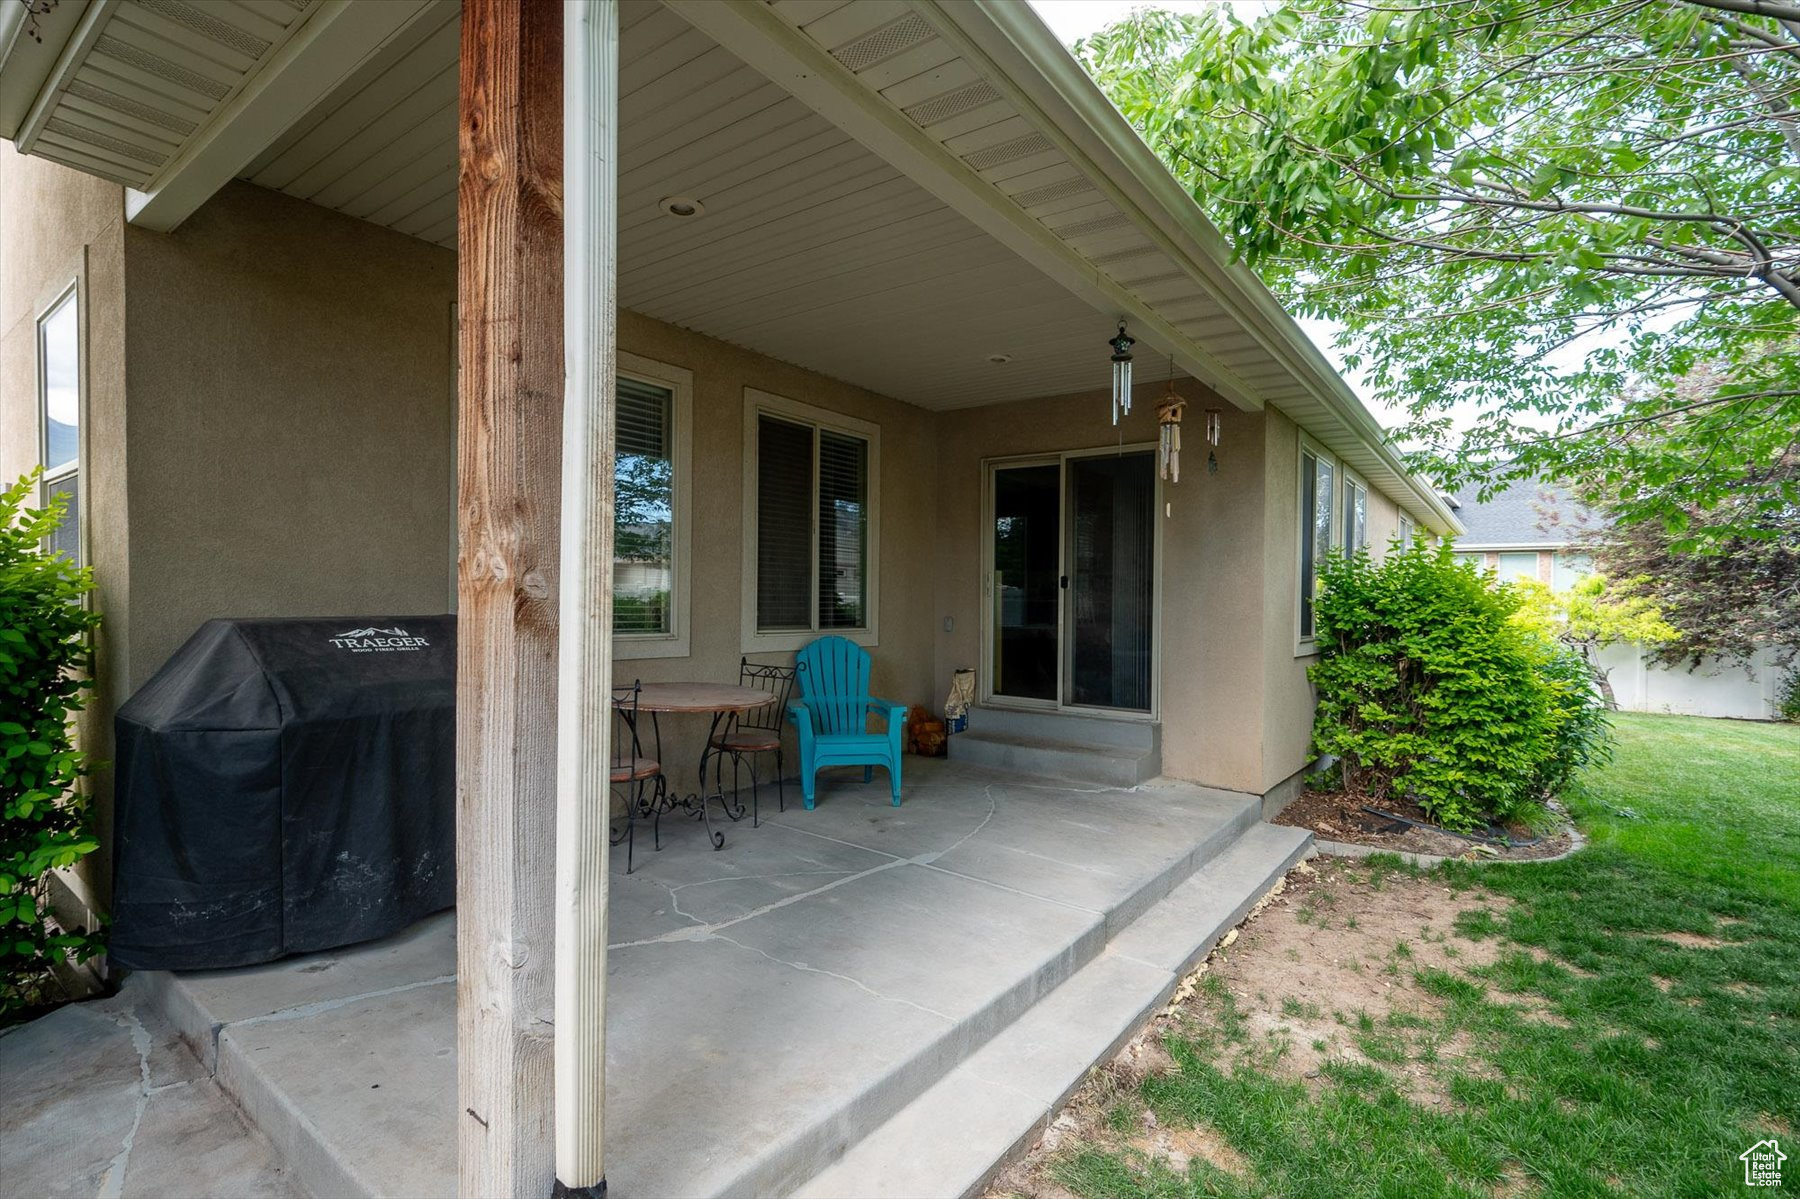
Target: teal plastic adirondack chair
[(832, 715)]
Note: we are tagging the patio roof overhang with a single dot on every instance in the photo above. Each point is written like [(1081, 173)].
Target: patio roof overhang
[(894, 190)]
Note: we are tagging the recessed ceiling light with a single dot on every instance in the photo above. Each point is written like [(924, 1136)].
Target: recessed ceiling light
[(681, 206), (999, 359)]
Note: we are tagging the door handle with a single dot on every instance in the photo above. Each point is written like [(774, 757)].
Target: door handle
[(1063, 582)]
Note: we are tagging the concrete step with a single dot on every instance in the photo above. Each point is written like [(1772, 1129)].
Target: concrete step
[(1114, 766), (342, 1057), (1067, 728), (998, 1100)]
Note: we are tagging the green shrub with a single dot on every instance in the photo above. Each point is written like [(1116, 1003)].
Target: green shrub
[(1428, 692), (44, 819), (1582, 733), (1787, 695)]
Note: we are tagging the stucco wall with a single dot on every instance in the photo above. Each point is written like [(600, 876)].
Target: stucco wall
[(58, 226), (292, 395), (1287, 732), (290, 374), (1210, 617), (904, 654)]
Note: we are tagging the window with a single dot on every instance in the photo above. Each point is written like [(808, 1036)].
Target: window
[(59, 410), (811, 486), (1477, 560), (650, 509), (1406, 530), (1570, 569), (1518, 566), (1317, 504), (1356, 515)]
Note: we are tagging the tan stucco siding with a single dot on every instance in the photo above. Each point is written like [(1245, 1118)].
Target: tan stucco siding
[(1287, 735), (292, 394), (1287, 732), (902, 657), (59, 227), (1210, 620), (290, 378)]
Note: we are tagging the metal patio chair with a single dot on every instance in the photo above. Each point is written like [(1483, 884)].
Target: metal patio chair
[(758, 731), (631, 772)]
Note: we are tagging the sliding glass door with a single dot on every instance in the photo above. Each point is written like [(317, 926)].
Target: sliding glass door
[(1071, 592), (1026, 581), (1112, 533)]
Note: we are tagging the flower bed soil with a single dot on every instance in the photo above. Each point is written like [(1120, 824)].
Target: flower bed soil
[(1339, 816)]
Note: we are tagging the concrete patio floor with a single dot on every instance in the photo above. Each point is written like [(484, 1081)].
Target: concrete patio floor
[(769, 1005), (102, 1098)]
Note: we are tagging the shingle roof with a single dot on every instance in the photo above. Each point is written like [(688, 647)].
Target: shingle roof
[(1525, 513)]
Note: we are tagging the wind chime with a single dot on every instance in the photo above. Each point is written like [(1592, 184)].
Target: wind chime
[(1121, 364), (1168, 419)]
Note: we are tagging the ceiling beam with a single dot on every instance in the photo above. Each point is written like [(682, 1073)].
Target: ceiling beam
[(335, 40)]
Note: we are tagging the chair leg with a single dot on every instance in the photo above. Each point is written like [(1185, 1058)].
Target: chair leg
[(894, 782), (656, 825), (868, 774), (755, 796)]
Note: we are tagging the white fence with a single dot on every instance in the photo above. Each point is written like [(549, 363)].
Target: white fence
[(1710, 689)]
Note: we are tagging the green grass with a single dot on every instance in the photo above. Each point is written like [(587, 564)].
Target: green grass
[(1656, 1065)]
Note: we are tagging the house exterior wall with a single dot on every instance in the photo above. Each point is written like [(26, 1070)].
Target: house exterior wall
[(290, 430), (1286, 738), (1210, 617), (292, 384), (58, 227), (291, 380), (903, 654)]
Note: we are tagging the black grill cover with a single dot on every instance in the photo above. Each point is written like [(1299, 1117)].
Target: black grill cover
[(285, 786)]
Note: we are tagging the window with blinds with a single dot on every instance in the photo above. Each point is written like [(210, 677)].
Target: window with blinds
[(784, 533), (812, 526), (643, 510), (843, 530)]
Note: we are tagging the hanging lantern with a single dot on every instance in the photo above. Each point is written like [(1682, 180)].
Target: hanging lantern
[(1212, 440), (1121, 362)]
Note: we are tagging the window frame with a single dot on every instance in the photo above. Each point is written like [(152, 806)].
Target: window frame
[(71, 291), (1305, 642), (677, 642), (1559, 559), (1352, 484), (756, 404), (1404, 529)]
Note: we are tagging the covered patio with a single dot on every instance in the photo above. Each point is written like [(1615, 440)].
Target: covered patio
[(857, 973), (404, 285)]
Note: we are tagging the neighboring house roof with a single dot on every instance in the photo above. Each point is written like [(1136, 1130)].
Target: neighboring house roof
[(1526, 515)]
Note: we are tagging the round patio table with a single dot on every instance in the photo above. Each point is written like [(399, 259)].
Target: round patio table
[(719, 700)]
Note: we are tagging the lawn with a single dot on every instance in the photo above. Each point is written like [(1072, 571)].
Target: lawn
[(1621, 1023)]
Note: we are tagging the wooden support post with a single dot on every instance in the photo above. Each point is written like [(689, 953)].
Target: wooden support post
[(509, 445), (583, 784)]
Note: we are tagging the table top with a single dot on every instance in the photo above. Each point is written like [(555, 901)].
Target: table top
[(701, 697)]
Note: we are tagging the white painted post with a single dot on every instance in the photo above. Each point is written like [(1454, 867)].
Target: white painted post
[(584, 665)]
